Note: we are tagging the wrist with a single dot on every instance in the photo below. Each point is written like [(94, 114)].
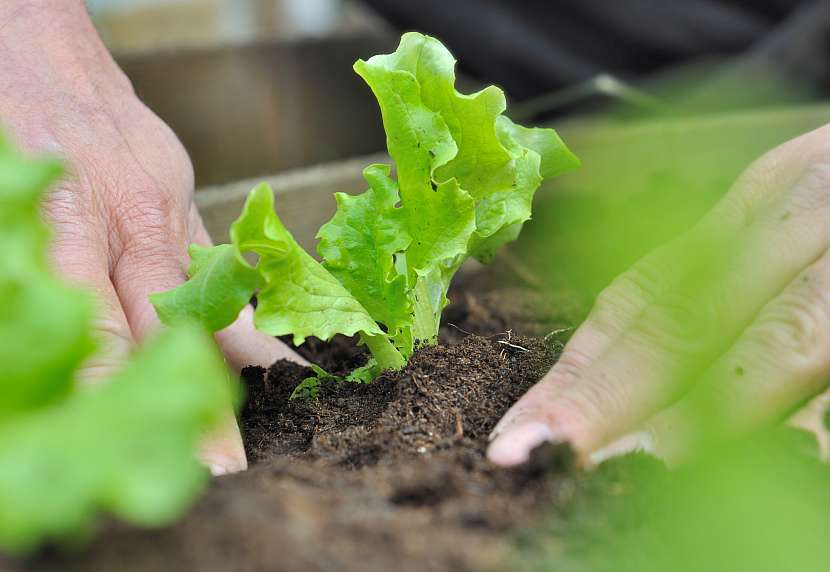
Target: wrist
[(35, 19), (53, 45)]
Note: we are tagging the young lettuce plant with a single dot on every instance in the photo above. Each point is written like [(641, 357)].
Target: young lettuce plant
[(464, 181), (67, 452)]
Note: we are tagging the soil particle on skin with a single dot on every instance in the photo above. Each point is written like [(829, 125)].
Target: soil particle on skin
[(386, 476)]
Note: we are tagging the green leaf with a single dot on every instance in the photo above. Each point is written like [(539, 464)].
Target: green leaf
[(299, 296), (465, 180), (365, 373), (125, 447), (44, 325), (480, 163), (221, 284), (467, 174), (440, 218), (359, 245), (556, 158), (309, 388), (44, 336), (498, 163), (537, 154), (22, 183), (67, 453)]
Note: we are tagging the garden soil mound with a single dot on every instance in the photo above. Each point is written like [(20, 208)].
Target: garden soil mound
[(392, 476), (380, 477)]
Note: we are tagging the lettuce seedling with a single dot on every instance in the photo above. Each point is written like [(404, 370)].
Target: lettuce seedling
[(464, 183), (126, 446)]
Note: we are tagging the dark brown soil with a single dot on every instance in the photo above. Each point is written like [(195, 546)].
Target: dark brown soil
[(387, 476)]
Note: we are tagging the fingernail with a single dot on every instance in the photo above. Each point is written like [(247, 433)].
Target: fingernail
[(513, 446), (225, 467), (642, 442), (218, 470)]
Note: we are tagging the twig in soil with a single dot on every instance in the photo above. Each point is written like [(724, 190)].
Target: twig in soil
[(557, 332), (462, 330), (507, 343)]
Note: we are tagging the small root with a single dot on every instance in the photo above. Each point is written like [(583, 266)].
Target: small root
[(462, 330), (514, 346), (557, 332)]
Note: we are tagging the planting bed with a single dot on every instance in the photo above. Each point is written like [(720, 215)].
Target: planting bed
[(387, 476), (393, 475)]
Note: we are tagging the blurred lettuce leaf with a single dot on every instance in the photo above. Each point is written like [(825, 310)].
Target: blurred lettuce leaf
[(126, 446)]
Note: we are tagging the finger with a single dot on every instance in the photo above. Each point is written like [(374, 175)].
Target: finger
[(241, 343), (153, 259), (242, 346), (778, 364), (812, 419), (83, 260), (760, 187), (675, 335), (618, 306), (756, 191), (222, 450)]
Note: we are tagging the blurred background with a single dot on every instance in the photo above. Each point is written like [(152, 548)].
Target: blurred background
[(251, 87), (255, 87)]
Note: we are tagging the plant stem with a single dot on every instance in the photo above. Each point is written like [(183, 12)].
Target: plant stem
[(425, 323), (384, 352)]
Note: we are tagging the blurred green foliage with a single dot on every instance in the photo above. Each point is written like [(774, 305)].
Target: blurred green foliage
[(759, 505), (68, 452)]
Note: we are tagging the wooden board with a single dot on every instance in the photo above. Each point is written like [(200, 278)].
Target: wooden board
[(304, 198)]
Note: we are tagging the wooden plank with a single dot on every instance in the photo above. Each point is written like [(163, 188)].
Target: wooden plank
[(304, 198), (265, 107)]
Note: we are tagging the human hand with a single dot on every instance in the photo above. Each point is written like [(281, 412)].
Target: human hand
[(123, 217), (722, 331)]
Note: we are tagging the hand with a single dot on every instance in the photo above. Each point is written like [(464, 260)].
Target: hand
[(124, 216), (721, 332)]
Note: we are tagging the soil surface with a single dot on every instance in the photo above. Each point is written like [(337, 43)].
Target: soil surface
[(386, 476), (393, 477)]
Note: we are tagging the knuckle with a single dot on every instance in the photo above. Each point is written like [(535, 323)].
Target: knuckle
[(677, 323), (628, 292), (796, 329), (812, 189), (572, 363), (757, 185), (149, 221)]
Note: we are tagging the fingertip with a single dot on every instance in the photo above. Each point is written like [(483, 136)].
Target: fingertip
[(226, 466), (513, 445), (223, 451)]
